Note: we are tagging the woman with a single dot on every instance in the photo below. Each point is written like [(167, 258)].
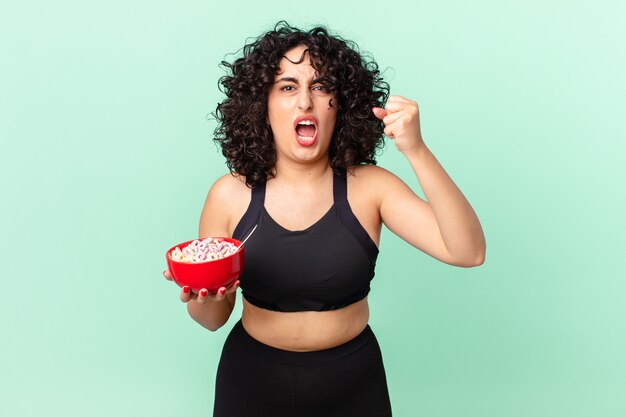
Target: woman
[(303, 117)]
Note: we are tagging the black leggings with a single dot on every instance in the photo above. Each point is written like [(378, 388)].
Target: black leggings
[(257, 380)]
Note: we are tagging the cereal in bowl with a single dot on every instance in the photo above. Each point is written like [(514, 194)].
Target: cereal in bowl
[(203, 250)]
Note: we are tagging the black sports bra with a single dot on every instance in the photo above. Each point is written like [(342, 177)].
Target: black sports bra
[(327, 266)]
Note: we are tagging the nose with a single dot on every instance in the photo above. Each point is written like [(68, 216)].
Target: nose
[(304, 99)]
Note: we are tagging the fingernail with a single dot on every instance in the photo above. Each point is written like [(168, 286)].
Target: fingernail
[(222, 291), (163, 273), (203, 293), (186, 290)]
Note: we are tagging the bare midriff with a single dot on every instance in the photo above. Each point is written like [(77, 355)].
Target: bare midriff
[(305, 331)]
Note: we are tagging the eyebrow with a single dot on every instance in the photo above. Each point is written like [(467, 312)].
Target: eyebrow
[(295, 80)]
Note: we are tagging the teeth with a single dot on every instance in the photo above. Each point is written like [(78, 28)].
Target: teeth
[(305, 122)]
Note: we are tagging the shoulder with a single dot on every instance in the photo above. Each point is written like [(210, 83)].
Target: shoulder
[(229, 188), (372, 177), (368, 185), (376, 185), (226, 201), (369, 172)]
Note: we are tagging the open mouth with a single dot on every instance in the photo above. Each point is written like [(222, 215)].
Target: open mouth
[(306, 131)]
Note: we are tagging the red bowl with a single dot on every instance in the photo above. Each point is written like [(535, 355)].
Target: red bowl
[(209, 274)]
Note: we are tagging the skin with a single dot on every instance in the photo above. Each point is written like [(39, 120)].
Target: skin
[(444, 225)]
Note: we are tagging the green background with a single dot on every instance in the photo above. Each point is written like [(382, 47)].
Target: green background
[(106, 159)]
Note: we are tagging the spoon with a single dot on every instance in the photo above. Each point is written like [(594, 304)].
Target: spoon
[(247, 237)]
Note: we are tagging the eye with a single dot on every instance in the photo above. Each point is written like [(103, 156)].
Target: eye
[(287, 88), (319, 88)]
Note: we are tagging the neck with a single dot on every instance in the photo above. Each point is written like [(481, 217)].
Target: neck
[(297, 173)]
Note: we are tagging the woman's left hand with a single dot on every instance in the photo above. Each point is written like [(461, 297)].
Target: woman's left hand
[(402, 123)]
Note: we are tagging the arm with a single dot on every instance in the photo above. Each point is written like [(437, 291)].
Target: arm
[(213, 311), (445, 226)]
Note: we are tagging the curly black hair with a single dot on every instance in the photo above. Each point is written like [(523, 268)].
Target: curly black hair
[(243, 133)]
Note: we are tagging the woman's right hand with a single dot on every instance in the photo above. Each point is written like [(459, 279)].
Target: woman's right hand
[(203, 295)]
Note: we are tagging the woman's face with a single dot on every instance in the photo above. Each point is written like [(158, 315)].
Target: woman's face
[(298, 109)]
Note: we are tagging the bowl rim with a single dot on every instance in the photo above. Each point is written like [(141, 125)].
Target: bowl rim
[(185, 244)]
